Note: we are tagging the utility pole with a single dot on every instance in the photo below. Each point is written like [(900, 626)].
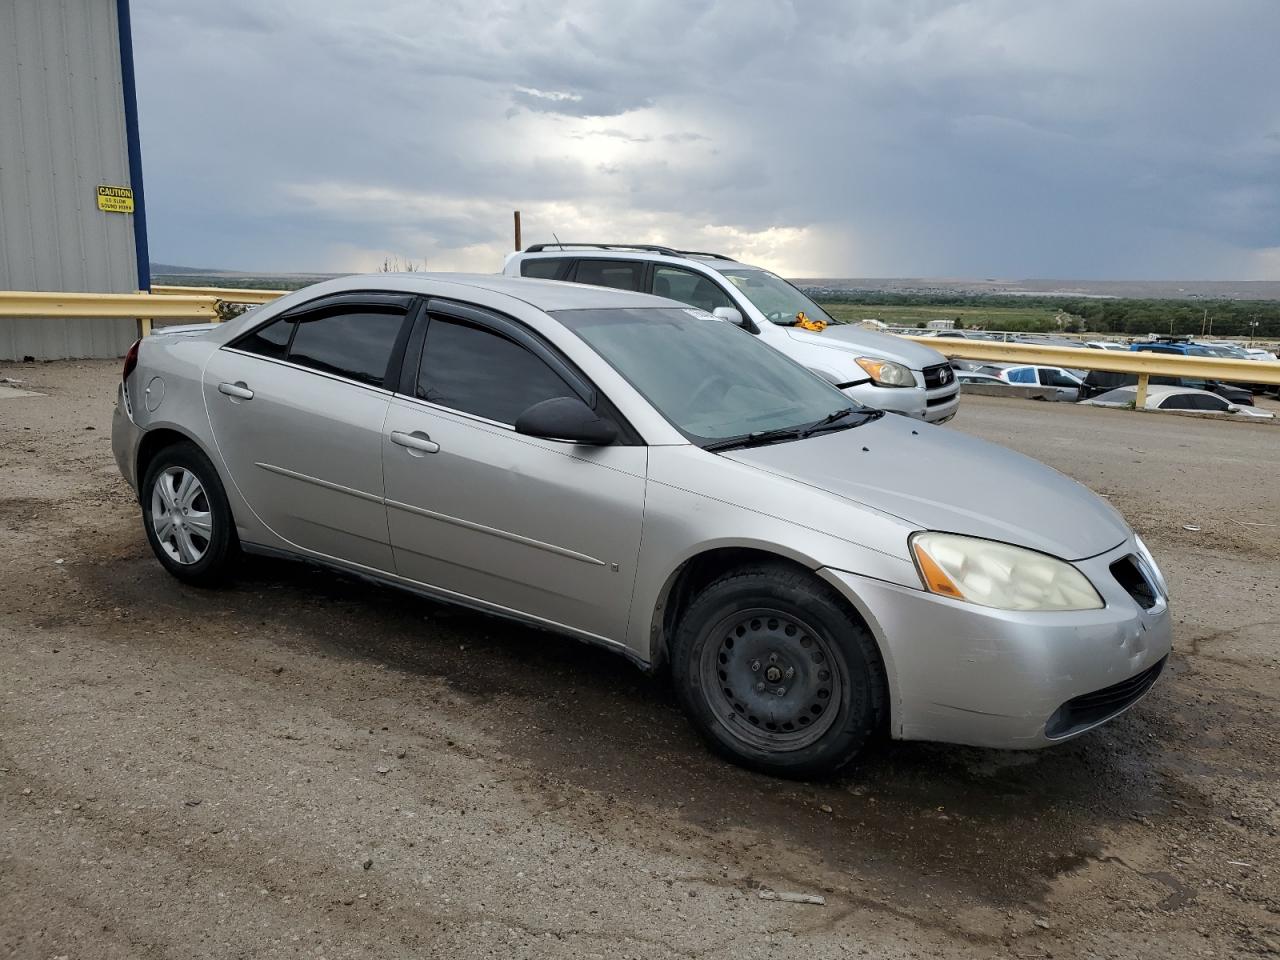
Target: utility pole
[(518, 243)]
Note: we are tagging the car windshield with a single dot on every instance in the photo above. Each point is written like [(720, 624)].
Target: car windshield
[(712, 380), (778, 300)]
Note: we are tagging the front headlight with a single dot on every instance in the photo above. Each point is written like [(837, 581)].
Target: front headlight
[(1145, 553), (999, 575), (887, 373)]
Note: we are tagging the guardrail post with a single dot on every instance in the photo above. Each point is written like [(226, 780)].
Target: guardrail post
[(144, 327), (1140, 401)]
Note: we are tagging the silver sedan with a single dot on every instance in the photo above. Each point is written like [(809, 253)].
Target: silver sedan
[(634, 473)]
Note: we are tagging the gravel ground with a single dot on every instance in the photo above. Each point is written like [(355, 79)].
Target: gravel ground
[(304, 766)]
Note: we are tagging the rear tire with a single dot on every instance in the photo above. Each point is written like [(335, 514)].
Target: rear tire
[(777, 674), (186, 515)]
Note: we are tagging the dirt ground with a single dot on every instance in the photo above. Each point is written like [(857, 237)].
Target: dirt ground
[(301, 765)]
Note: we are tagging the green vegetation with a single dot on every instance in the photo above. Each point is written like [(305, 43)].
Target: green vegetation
[(968, 316), (1220, 318)]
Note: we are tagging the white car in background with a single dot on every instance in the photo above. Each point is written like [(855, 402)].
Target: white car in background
[(1066, 384), (1106, 345), (877, 369), (1181, 399), (1257, 353)]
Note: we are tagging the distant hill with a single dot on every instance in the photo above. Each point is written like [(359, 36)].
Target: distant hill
[(169, 269), (1117, 289)]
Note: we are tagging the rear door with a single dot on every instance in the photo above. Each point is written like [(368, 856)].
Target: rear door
[(543, 528), (297, 408)]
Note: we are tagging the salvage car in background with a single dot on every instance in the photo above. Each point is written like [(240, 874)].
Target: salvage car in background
[(1180, 399), (1066, 384), (635, 474)]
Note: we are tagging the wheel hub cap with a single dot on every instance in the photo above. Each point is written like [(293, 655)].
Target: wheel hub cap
[(180, 515)]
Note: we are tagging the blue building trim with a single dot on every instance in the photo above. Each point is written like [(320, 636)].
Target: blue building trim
[(125, 28)]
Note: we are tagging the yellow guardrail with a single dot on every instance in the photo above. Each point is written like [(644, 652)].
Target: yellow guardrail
[(1145, 364), (198, 304), (226, 294)]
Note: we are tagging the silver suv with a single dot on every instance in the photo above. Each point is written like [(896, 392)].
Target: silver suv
[(877, 369)]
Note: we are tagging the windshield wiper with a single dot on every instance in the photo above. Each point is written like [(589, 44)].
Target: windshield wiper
[(757, 439), (830, 422)]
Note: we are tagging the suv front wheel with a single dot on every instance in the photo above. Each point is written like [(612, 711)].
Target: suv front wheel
[(777, 674)]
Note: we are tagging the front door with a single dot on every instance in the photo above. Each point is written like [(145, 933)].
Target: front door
[(297, 408), (544, 528)]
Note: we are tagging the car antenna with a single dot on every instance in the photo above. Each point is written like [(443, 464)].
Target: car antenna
[(557, 239)]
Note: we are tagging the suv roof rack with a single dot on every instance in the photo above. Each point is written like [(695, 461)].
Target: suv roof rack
[(1171, 338), (647, 247)]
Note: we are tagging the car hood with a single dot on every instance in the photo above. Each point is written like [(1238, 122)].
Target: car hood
[(850, 336), (939, 479)]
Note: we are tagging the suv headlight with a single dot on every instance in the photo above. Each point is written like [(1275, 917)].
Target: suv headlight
[(886, 373), (999, 575)]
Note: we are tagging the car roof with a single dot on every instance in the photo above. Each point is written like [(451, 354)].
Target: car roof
[(546, 295), (712, 261)]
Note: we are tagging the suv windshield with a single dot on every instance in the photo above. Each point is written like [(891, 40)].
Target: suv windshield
[(712, 380), (778, 300)]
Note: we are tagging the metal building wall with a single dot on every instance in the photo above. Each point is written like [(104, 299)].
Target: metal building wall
[(62, 134)]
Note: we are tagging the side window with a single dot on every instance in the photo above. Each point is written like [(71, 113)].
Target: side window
[(355, 342), (269, 341), (1216, 404), (1054, 378), (1022, 375), (688, 287), (619, 274), (1179, 401), (472, 369), (543, 268)]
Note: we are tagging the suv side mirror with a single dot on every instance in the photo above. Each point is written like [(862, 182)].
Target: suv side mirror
[(731, 315), (569, 419)]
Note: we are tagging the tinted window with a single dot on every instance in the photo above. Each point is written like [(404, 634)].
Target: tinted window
[(689, 287), (1179, 401), (1055, 378), (355, 343), (269, 341), (545, 268), (1022, 375), (474, 370), (619, 274)]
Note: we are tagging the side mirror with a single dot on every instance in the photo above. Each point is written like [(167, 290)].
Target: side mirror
[(569, 419), (1232, 408), (730, 315)]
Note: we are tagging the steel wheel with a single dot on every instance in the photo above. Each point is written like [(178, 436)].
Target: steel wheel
[(181, 516), (772, 681)]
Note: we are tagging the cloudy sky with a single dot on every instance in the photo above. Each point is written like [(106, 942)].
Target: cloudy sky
[(1091, 139)]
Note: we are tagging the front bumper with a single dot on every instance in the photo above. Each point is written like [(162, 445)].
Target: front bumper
[(931, 406), (962, 673), (125, 438)]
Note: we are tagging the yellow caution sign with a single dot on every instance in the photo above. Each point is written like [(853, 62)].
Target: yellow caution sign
[(115, 199)]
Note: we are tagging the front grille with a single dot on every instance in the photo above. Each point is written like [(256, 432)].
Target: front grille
[(1130, 575), (939, 375), (939, 400), (1090, 708)]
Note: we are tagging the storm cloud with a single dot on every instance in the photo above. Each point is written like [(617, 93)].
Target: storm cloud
[(819, 137)]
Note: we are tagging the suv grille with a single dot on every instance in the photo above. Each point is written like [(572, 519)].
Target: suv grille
[(1091, 708), (1130, 575), (939, 375)]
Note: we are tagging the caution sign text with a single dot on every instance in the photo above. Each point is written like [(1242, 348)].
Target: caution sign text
[(115, 199)]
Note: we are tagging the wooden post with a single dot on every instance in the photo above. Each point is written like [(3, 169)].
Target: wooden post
[(144, 327), (518, 243), (1140, 401)]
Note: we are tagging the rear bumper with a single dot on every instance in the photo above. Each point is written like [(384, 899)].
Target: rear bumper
[(125, 438), (961, 673)]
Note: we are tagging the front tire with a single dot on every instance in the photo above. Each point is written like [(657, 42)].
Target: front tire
[(777, 674), (186, 515)]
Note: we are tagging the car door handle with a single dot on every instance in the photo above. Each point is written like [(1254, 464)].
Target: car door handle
[(237, 391), (417, 440)]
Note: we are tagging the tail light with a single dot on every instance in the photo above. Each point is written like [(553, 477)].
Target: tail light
[(130, 360)]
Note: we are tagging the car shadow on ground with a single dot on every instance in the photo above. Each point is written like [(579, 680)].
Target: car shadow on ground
[(999, 825)]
